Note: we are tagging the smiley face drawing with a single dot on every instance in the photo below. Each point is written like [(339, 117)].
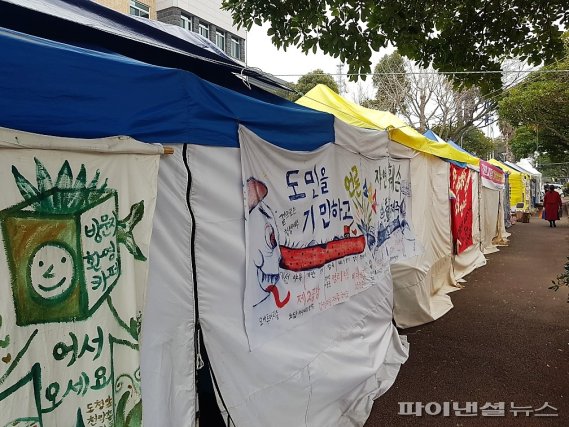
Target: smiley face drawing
[(52, 270)]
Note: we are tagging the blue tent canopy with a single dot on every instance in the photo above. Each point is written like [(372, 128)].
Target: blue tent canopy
[(434, 137), (52, 88), (85, 23), (458, 147)]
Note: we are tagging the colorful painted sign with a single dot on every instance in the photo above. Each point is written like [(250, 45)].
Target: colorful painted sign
[(461, 206), (75, 232), (320, 227), (491, 176)]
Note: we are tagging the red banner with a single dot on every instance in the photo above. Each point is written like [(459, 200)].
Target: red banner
[(461, 205)]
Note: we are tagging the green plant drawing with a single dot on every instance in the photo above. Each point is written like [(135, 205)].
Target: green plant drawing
[(132, 418), (4, 342), (128, 409), (62, 244), (31, 380)]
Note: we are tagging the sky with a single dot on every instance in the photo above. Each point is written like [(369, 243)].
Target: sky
[(292, 64), (262, 54)]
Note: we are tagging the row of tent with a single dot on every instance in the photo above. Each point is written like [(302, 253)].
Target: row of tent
[(324, 372)]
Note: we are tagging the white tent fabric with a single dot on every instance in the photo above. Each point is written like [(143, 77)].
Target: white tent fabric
[(490, 212), (167, 351), (525, 164), (502, 235), (421, 283), (324, 372), (472, 258)]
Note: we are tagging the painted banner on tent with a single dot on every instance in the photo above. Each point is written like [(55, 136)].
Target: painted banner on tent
[(491, 176), (461, 205), (320, 228), (75, 233)]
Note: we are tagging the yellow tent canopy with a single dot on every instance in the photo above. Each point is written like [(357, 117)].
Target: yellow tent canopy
[(517, 185), (322, 98)]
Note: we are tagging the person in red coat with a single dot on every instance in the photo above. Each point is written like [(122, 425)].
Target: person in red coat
[(552, 205)]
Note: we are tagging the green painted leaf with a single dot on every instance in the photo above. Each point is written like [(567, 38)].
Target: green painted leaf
[(65, 177), (44, 184), (27, 190), (134, 327), (80, 422), (128, 240), (64, 182), (134, 418), (135, 215), (125, 227), (43, 177), (78, 198), (81, 180), (95, 180), (120, 420), (5, 342)]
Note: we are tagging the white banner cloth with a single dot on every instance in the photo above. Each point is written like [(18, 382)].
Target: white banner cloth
[(288, 381), (491, 176), (76, 221), (320, 228)]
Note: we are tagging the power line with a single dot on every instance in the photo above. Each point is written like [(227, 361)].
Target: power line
[(552, 164), (430, 73)]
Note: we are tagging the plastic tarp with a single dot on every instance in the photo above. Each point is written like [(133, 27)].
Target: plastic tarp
[(146, 102), (322, 98), (88, 24)]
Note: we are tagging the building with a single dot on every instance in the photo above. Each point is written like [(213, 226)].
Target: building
[(206, 18), (201, 16), (144, 8)]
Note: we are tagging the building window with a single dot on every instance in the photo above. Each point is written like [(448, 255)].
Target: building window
[(139, 9), (187, 23), (204, 30), (235, 48), (220, 40)]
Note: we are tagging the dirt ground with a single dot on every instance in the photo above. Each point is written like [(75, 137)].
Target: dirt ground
[(505, 340)]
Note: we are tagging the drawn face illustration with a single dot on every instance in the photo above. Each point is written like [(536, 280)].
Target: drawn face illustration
[(51, 270), (264, 246), (266, 251)]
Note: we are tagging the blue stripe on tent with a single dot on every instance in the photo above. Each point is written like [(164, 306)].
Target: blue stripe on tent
[(434, 137), (51, 88)]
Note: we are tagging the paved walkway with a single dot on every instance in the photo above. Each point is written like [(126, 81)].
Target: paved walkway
[(505, 340)]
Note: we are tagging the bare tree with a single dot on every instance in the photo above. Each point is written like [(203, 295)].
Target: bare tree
[(428, 99), (361, 93)]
